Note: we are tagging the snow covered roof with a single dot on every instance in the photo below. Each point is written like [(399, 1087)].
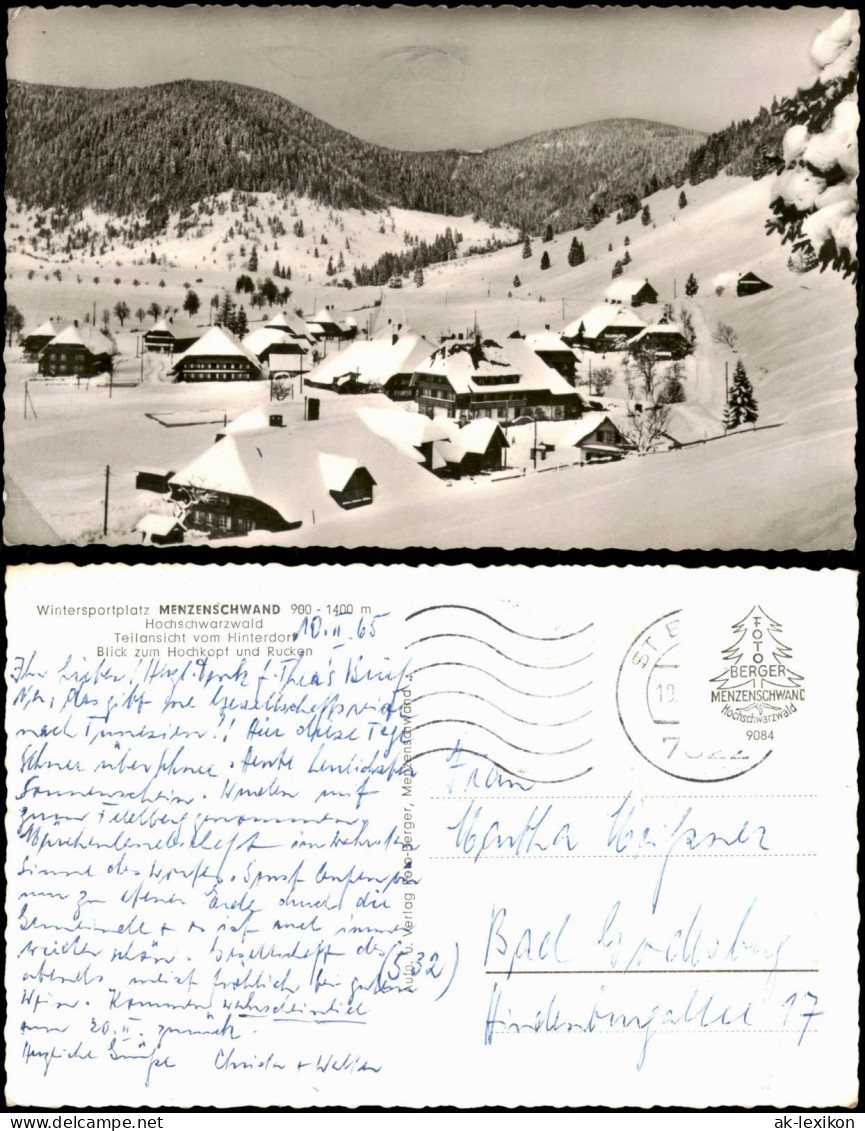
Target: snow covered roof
[(289, 323), (474, 437), (374, 362), (71, 336), (336, 471), (159, 327), (97, 342), (264, 338), (156, 523), (584, 427), (623, 290), (545, 341), (256, 420), (601, 318), (218, 342), (411, 428), (325, 317), (282, 467), (659, 329), (515, 360), (46, 330)]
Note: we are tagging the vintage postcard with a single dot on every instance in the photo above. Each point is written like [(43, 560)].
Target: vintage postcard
[(432, 277), (433, 836)]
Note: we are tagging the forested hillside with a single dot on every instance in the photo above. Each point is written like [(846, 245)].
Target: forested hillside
[(150, 151)]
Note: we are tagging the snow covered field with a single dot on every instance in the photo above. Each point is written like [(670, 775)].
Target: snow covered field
[(785, 487)]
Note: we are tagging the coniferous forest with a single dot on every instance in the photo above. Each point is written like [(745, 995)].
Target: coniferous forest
[(150, 151)]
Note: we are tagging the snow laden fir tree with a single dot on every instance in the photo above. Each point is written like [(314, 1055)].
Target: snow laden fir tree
[(815, 198), (741, 403), (757, 686)]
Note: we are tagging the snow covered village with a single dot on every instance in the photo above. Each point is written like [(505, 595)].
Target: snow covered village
[(321, 341)]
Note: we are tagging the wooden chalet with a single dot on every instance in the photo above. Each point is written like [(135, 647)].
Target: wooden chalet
[(631, 292), (38, 339), (279, 350), (665, 339), (408, 432), (464, 379), (751, 284), (166, 336), (555, 352), (217, 356), (603, 328), (476, 448), (292, 325), (326, 326), (261, 475), (597, 438), (75, 354)]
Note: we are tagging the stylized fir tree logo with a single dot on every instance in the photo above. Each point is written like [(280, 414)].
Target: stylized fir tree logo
[(757, 663)]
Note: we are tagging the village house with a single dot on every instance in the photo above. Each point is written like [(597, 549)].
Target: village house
[(294, 326), (464, 379), (75, 354), (38, 339), (553, 351), (408, 432), (276, 478), (476, 448), (326, 326), (631, 292), (386, 364), (603, 328), (751, 284), (279, 350), (666, 339), (217, 356), (167, 336), (597, 438)]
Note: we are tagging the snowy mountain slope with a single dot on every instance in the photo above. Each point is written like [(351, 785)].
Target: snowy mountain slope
[(790, 486)]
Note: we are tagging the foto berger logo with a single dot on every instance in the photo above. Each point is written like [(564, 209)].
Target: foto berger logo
[(757, 685)]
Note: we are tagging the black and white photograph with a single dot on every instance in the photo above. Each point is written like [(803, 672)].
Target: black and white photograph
[(550, 278)]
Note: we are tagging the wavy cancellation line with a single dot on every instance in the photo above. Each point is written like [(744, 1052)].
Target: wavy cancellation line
[(504, 655), (507, 628), (509, 686), (507, 742), (492, 703)]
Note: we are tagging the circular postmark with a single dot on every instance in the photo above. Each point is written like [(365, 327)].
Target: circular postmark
[(668, 720)]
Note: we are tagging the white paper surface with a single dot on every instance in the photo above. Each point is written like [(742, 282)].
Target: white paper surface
[(503, 836)]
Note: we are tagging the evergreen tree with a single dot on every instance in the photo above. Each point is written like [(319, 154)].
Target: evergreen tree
[(627, 241), (240, 325), (253, 260), (545, 261), (741, 405), (626, 258), (646, 217), (691, 285), (576, 255), (191, 303), (617, 268), (418, 276), (340, 266), (548, 233), (516, 282), (225, 313), (331, 270), (527, 247), (13, 322), (683, 200)]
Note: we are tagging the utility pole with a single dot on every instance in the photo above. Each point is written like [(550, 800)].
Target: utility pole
[(110, 379), (535, 447), (674, 288), (105, 511), (726, 395), (563, 308)]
